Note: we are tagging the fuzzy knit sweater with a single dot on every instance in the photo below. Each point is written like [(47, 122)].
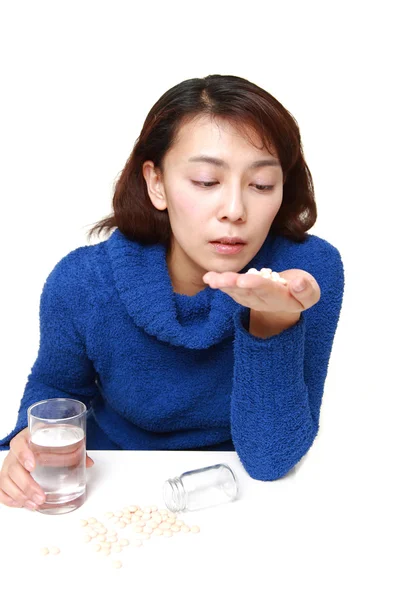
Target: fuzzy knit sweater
[(160, 370)]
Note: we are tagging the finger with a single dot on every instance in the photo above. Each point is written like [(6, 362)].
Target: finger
[(218, 280), (62, 456), (19, 447), (20, 481), (13, 491), (7, 500), (89, 461)]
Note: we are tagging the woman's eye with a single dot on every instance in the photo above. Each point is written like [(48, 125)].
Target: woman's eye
[(205, 183), (265, 188), (261, 188)]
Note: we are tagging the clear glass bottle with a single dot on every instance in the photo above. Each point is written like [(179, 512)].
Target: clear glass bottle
[(201, 488)]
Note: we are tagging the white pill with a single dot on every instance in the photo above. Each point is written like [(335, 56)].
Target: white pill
[(167, 533), (124, 542), (105, 544), (108, 515), (148, 529), (179, 523), (175, 528), (126, 510), (158, 532), (92, 534), (86, 538), (137, 529), (266, 271), (83, 522), (163, 511), (126, 520), (133, 508), (137, 543), (143, 536), (275, 276), (185, 528), (195, 529), (146, 517), (135, 518), (171, 520), (147, 509), (116, 548), (253, 271), (54, 550), (117, 564), (152, 524), (139, 513), (164, 526), (105, 551), (92, 520), (97, 547), (121, 525), (44, 551), (114, 519), (101, 538), (154, 508), (119, 513)]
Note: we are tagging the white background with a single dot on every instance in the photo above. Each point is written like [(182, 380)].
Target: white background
[(78, 79)]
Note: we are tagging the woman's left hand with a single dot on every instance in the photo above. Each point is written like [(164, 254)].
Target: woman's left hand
[(260, 294)]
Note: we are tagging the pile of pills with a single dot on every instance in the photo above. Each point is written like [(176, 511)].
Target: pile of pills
[(142, 523), (268, 274)]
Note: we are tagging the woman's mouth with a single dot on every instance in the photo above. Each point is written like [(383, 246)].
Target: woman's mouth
[(228, 245)]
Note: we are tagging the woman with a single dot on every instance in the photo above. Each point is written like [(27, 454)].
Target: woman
[(159, 329)]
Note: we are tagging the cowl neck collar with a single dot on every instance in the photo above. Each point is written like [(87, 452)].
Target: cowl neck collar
[(143, 283)]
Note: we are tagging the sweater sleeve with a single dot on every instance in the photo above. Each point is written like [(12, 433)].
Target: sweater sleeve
[(62, 368), (278, 382)]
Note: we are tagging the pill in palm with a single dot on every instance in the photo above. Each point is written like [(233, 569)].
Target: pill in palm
[(267, 273), (117, 564), (44, 551)]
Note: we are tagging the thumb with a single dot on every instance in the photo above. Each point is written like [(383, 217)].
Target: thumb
[(89, 461), (299, 285)]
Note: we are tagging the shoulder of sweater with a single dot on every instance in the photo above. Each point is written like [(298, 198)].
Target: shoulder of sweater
[(313, 248), (82, 269), (315, 255)]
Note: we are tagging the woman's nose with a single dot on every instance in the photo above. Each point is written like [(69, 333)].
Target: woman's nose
[(232, 207)]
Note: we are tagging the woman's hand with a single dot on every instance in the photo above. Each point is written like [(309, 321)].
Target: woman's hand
[(265, 295), (17, 486)]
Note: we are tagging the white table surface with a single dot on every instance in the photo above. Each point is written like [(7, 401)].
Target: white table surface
[(309, 534)]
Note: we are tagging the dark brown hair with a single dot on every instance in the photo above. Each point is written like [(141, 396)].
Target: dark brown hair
[(242, 104)]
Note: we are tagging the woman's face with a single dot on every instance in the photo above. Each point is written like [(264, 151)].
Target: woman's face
[(233, 204)]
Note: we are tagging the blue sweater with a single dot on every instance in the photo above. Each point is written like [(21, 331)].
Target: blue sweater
[(164, 371)]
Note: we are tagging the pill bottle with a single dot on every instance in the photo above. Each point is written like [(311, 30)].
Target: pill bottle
[(201, 488)]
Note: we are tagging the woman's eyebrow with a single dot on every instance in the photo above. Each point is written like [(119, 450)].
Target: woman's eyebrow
[(266, 162)]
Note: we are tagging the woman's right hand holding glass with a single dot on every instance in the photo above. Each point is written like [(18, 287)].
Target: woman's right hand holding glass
[(17, 486)]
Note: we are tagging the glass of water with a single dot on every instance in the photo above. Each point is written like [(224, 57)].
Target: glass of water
[(57, 438)]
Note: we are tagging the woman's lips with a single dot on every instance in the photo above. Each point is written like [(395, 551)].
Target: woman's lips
[(226, 248)]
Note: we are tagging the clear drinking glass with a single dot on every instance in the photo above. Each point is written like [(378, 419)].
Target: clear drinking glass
[(57, 438)]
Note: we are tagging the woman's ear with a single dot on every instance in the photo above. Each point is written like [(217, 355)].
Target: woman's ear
[(155, 187)]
